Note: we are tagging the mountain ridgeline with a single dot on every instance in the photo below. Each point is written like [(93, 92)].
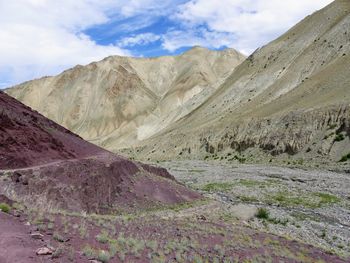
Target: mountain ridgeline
[(289, 99), (120, 101)]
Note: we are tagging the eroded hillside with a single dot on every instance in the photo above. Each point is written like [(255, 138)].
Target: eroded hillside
[(119, 101), (290, 98)]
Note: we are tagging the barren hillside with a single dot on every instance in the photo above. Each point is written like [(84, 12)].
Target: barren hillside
[(119, 101), (291, 98), (44, 165)]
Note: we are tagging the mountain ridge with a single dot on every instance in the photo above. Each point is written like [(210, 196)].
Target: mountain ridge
[(132, 98)]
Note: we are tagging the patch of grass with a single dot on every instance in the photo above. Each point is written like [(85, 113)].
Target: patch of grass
[(214, 187), (327, 198), (152, 244), (58, 252), (310, 200), (89, 252), (340, 137), (103, 237), (262, 213), (5, 208), (249, 183), (103, 256), (345, 158)]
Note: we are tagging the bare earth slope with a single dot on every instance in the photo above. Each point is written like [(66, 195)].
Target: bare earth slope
[(119, 101), (43, 164), (289, 98)]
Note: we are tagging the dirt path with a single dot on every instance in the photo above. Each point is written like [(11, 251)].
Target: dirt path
[(102, 155), (16, 245)]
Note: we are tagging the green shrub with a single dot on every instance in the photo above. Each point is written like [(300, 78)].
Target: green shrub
[(103, 256), (5, 208), (262, 213), (339, 137), (89, 252), (345, 158), (102, 237)]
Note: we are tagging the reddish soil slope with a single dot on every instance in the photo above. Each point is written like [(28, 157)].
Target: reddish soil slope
[(47, 165), (27, 138)]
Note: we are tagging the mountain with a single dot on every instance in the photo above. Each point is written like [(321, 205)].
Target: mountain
[(45, 165), (289, 99), (119, 101)]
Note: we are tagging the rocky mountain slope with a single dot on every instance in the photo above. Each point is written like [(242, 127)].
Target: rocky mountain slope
[(290, 98), (119, 101), (43, 164)]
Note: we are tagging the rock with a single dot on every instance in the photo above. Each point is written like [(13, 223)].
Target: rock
[(201, 217), (44, 251), (37, 235)]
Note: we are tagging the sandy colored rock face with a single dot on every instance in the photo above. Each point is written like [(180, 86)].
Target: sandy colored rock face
[(290, 97), (120, 101)]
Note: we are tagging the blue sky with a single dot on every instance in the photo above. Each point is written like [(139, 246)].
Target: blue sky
[(45, 37)]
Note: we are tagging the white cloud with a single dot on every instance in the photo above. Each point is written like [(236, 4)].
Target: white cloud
[(175, 39), (43, 37), (141, 39), (251, 23)]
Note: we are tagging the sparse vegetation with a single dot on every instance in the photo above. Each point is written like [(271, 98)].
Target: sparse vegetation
[(88, 251), (327, 198), (58, 252), (103, 237), (340, 137), (312, 200), (240, 159), (5, 208), (262, 213), (345, 158), (58, 237), (103, 256), (214, 187)]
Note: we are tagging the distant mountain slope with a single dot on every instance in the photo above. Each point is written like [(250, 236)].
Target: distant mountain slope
[(119, 101), (43, 164), (290, 97)]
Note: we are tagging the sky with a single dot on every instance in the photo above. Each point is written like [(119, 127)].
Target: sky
[(44, 37)]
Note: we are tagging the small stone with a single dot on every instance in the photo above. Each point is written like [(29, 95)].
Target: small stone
[(27, 224), (37, 235), (201, 217), (44, 251)]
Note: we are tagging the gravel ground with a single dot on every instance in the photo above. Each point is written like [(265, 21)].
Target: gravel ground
[(311, 206)]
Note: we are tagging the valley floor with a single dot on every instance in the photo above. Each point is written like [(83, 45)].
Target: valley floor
[(312, 206), (304, 217)]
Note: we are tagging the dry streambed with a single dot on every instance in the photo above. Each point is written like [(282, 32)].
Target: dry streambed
[(307, 205)]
